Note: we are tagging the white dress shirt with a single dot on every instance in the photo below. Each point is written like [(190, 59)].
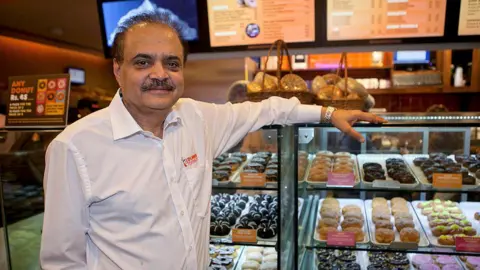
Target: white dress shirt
[(118, 197)]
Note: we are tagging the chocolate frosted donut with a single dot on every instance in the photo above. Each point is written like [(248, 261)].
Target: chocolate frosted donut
[(437, 155), (469, 180), (371, 166), (221, 175), (255, 166), (259, 160), (220, 228), (427, 164), (243, 156), (418, 161), (267, 230), (474, 167), (271, 175), (372, 176), (469, 161)]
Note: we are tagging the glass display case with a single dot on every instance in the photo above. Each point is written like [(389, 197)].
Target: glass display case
[(274, 204), (405, 199), (22, 164)]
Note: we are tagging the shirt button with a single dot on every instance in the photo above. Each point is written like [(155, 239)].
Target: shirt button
[(182, 213)]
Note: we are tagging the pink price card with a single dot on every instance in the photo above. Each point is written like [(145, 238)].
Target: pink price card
[(345, 239), (468, 244), (341, 179)]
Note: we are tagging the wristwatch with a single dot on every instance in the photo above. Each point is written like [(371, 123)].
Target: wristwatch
[(328, 114)]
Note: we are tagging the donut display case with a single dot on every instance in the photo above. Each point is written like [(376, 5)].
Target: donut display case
[(412, 203)]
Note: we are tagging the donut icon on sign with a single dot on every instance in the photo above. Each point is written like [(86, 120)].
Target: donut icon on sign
[(61, 84), (51, 96), (40, 109), (52, 84), (42, 85)]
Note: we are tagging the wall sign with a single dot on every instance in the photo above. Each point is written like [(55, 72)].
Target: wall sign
[(38, 101)]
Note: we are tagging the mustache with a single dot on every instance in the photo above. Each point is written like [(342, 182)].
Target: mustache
[(158, 84)]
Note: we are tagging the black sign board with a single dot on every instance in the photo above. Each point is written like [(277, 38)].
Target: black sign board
[(39, 101)]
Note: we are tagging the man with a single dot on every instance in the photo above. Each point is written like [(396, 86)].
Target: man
[(128, 187)]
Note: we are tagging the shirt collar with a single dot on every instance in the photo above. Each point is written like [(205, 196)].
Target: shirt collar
[(123, 124)]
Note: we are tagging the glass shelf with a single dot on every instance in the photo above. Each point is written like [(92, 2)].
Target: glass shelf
[(228, 241), (419, 188), (231, 186)]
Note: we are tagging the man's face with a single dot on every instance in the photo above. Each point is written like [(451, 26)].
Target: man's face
[(151, 74)]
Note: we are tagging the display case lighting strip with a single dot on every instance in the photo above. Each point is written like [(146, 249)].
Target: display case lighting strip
[(423, 118)]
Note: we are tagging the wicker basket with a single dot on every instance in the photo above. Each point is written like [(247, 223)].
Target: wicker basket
[(342, 103), (305, 97)]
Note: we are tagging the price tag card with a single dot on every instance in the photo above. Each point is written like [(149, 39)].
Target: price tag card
[(346, 239), (447, 180), (252, 179), (244, 236), (386, 184), (404, 245), (467, 244), (341, 179)]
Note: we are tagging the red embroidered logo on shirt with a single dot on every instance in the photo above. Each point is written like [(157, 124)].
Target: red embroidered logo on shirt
[(190, 160)]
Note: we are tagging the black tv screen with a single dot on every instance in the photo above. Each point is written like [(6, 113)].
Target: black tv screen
[(114, 12)]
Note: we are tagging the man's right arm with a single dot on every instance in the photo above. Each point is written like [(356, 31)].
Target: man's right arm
[(65, 219)]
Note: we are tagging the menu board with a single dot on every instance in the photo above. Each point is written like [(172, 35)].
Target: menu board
[(375, 19), (254, 22), (38, 101), (469, 22)]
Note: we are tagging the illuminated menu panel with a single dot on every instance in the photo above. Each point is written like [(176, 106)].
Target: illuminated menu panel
[(253, 22), (469, 22), (375, 19)]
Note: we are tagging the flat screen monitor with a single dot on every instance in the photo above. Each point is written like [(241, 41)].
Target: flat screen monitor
[(411, 57), (469, 20), (77, 75), (182, 11), (385, 19), (259, 22)]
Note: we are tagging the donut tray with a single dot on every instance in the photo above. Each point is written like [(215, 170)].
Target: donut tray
[(381, 159), (423, 179), (463, 264), (244, 212), (236, 258), (366, 259), (307, 170), (236, 176), (343, 202), (418, 226), (468, 209), (243, 258), (361, 259), (324, 184)]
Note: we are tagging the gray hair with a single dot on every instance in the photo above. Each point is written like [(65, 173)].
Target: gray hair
[(149, 13)]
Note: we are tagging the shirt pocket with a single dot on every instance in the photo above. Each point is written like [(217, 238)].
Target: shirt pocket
[(200, 189)]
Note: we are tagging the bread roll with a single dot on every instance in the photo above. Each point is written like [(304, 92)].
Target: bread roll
[(317, 84), (293, 82)]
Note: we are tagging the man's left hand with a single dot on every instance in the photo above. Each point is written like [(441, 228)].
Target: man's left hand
[(345, 119)]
